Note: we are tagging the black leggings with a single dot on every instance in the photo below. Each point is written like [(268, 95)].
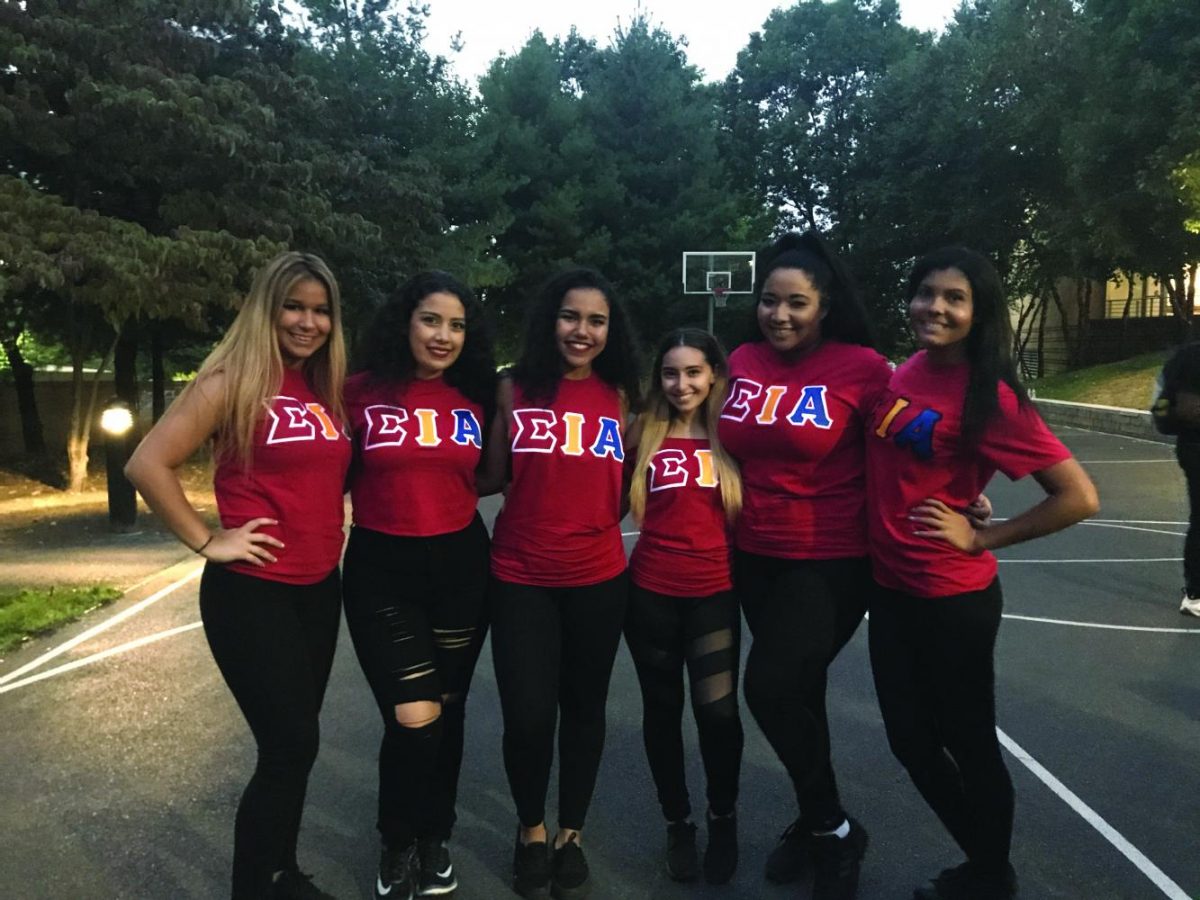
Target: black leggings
[(1188, 454), (416, 612), (274, 645), (663, 632), (932, 660), (801, 613), (554, 650)]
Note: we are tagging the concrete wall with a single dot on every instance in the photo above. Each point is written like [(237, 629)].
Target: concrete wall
[(1109, 419)]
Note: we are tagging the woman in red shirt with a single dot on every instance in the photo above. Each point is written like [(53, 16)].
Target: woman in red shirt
[(794, 420), (559, 590), (685, 490), (417, 560), (951, 416), (270, 398)]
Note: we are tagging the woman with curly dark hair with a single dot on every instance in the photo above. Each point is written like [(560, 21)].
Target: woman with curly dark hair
[(417, 560), (559, 588), (799, 397)]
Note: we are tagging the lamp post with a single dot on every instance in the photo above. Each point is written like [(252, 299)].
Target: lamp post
[(116, 421)]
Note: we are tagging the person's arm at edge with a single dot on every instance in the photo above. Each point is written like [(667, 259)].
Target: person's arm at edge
[(492, 473)]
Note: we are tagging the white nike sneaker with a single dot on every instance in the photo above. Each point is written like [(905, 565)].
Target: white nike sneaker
[(1189, 606), (436, 877)]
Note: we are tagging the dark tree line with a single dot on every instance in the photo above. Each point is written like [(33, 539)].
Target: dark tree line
[(154, 153)]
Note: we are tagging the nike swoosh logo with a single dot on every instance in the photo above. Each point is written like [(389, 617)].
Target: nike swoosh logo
[(380, 889), (446, 873)]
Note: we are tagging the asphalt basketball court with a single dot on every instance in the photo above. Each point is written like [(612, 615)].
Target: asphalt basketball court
[(125, 761)]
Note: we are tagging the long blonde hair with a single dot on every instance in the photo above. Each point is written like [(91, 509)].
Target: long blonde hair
[(250, 359), (656, 422)]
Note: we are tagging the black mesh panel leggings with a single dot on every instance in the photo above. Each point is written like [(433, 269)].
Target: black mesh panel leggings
[(663, 634)]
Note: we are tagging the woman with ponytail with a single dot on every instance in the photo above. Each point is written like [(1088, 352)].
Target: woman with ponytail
[(794, 420)]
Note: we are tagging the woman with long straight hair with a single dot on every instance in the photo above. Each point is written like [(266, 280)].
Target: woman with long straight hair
[(794, 420), (684, 493), (269, 398), (952, 415), (417, 560), (559, 588)]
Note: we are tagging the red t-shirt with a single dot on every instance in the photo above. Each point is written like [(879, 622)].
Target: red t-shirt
[(297, 475), (417, 445), (683, 550), (560, 524), (915, 451), (796, 429)]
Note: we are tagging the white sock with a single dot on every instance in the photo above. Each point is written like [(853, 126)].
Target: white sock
[(841, 831)]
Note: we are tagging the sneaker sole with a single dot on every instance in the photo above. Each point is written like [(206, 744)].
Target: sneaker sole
[(441, 890)]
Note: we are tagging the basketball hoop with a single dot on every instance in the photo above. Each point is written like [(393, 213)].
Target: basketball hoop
[(720, 296)]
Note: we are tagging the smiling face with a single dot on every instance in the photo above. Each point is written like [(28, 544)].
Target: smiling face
[(790, 311), (581, 329), (686, 378), (941, 312), (437, 331), (304, 321)]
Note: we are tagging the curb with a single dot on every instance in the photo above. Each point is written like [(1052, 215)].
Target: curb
[(1108, 419)]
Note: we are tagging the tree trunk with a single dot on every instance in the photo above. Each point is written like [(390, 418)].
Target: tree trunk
[(158, 375), (31, 422), (125, 364), (80, 432)]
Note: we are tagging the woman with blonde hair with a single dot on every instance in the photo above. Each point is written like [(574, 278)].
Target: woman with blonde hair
[(684, 493), (269, 399)]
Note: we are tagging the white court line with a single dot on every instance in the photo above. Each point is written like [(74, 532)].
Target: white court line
[(1122, 462), (96, 657), (1124, 559), (101, 627), (1102, 625), (1135, 522), (1093, 818), (1131, 528)]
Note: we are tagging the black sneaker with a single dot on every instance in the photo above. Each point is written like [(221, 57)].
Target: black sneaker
[(397, 873), (682, 863), (836, 862), (531, 869), (721, 854), (791, 856), (571, 879), (292, 884), (436, 878), (963, 883)]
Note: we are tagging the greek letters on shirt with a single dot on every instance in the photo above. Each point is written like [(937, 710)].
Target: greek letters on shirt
[(544, 431), (390, 426), (294, 420), (914, 432), (675, 468), (765, 403)]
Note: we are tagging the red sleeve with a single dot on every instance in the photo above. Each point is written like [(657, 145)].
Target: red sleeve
[(1017, 442)]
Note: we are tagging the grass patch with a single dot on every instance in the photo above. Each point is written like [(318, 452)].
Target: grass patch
[(1127, 383), (33, 611)]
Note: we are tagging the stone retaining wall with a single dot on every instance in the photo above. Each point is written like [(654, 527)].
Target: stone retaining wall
[(1109, 419)]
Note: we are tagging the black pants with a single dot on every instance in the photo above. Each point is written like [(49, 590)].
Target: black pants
[(932, 661), (416, 612), (274, 645), (801, 613), (1188, 454), (663, 633), (554, 650)]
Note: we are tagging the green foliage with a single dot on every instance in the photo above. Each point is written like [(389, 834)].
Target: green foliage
[(1128, 383), (33, 611)]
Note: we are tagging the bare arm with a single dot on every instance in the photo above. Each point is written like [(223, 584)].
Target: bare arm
[(633, 437), (153, 469), (492, 474), (1070, 498)]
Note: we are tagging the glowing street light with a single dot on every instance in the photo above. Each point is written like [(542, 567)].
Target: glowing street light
[(117, 421)]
